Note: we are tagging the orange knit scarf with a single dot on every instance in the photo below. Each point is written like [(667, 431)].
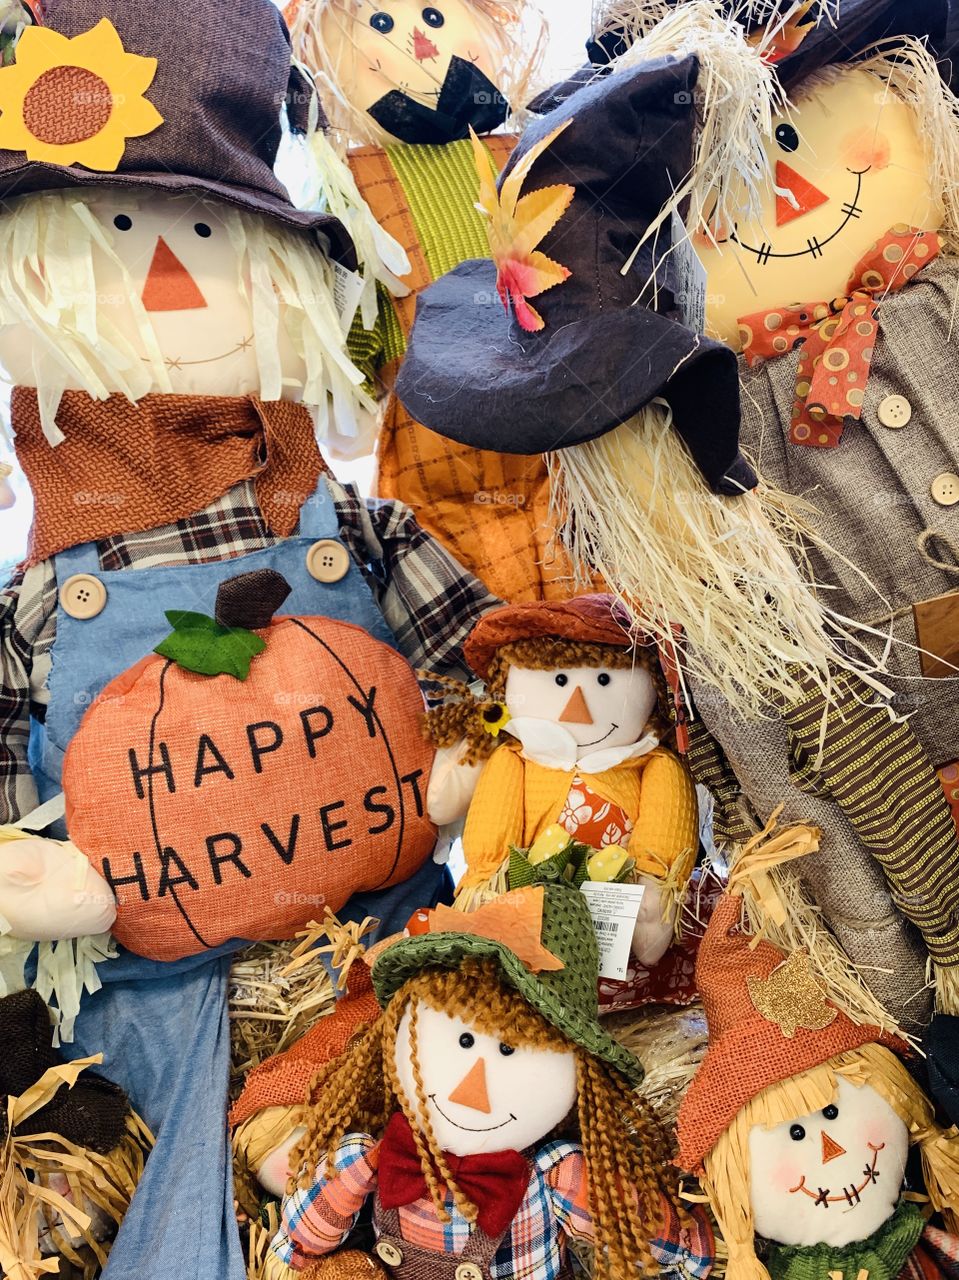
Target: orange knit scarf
[(125, 468)]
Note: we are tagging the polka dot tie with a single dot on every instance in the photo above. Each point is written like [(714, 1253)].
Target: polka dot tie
[(836, 339)]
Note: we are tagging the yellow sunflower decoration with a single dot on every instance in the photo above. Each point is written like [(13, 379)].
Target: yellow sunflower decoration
[(75, 100)]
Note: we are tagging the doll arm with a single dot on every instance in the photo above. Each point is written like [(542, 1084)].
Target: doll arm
[(666, 834), (27, 623), (495, 819), (317, 1219)]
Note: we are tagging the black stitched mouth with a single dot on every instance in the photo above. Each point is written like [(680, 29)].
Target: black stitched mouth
[(814, 247)]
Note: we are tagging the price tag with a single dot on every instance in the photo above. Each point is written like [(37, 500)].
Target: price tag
[(615, 909), (691, 287), (347, 291)]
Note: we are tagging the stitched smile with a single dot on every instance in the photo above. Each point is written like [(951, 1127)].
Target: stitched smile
[(597, 741), (852, 1194), (177, 362), (466, 1129), (815, 246)]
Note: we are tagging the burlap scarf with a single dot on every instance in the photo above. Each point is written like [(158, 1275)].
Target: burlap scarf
[(125, 468)]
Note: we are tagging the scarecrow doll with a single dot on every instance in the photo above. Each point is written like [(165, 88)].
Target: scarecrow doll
[(487, 1115), (72, 1150), (404, 85), (569, 736), (799, 1124), (658, 501), (168, 318)]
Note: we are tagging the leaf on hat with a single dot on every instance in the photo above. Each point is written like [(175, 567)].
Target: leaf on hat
[(791, 997), (516, 225)]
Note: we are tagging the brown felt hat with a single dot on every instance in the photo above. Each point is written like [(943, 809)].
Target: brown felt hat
[(588, 619), (223, 75)]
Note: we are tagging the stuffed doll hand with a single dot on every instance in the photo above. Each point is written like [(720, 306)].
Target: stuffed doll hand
[(359, 439), (273, 1173), (452, 784), (655, 924), (48, 890)]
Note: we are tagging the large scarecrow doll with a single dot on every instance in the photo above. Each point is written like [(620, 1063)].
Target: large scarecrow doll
[(488, 1116), (168, 317), (658, 501), (403, 85)]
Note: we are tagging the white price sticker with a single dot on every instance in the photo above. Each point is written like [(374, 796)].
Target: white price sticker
[(347, 291), (691, 287), (615, 909)]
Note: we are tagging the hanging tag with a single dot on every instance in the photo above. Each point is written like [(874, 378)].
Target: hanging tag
[(347, 291), (691, 277), (615, 910)]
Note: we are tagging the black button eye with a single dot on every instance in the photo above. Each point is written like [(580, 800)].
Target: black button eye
[(467, 1041), (787, 137), (797, 1132), (203, 230), (604, 679), (433, 18), (507, 1050), (123, 222), (562, 680), (382, 22), (831, 1111)]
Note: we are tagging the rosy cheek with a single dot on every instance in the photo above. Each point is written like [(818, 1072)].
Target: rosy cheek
[(877, 1139), (784, 1176), (865, 149)]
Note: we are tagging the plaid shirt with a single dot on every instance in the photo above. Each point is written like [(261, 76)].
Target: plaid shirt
[(427, 599), (318, 1219)]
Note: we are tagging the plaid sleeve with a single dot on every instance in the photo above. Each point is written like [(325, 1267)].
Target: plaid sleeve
[(429, 601), (318, 1218), (685, 1249), (568, 1193), (27, 623)]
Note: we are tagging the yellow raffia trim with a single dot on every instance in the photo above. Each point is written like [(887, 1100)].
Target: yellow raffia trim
[(99, 51)]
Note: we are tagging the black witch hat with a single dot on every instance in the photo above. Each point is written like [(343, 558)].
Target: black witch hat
[(472, 374)]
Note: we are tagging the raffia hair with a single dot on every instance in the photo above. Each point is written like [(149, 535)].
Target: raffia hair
[(727, 1176), (462, 716), (624, 1145)]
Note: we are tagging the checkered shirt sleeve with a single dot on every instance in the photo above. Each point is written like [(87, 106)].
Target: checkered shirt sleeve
[(317, 1219)]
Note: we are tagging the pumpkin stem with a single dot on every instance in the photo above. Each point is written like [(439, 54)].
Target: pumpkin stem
[(251, 599)]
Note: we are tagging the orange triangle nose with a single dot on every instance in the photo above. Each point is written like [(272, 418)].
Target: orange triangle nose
[(471, 1090), (576, 710), (830, 1148), (169, 286), (807, 196)]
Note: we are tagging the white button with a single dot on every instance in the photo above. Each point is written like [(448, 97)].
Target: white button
[(468, 1271), (328, 561), (389, 1253), (894, 412), (945, 489), (83, 597)]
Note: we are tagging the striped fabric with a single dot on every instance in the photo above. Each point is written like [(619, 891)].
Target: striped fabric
[(316, 1220), (879, 774)]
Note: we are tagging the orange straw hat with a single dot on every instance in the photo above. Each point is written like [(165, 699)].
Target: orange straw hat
[(588, 619), (768, 1020)]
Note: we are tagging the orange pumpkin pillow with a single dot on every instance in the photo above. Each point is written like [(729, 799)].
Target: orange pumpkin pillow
[(242, 778)]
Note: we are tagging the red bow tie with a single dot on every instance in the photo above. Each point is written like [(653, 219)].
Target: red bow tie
[(496, 1183)]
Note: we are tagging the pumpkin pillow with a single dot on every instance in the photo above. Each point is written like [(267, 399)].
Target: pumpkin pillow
[(250, 772)]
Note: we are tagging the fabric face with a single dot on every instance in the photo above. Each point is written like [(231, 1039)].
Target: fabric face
[(483, 1093), (831, 1177), (599, 707), (844, 166)]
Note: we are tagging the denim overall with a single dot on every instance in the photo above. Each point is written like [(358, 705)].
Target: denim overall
[(163, 1027)]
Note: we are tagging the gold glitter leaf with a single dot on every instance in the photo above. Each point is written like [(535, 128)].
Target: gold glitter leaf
[(791, 997)]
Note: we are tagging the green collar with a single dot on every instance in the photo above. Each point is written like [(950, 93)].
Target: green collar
[(882, 1255)]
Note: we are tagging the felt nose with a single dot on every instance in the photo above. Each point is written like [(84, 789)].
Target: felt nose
[(806, 196), (423, 46), (169, 286), (830, 1148), (576, 710), (471, 1090)]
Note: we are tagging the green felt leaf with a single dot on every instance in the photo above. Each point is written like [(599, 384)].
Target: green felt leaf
[(200, 644)]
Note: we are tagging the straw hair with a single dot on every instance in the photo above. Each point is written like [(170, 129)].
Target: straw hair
[(632, 507), (727, 1178), (635, 18), (624, 1147), (514, 29), (79, 345)]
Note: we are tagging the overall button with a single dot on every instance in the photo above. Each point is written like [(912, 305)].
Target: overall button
[(894, 412), (83, 597), (389, 1253), (945, 489), (328, 561), (468, 1271)]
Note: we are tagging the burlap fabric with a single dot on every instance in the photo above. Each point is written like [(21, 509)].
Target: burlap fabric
[(92, 1114), (124, 467)]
